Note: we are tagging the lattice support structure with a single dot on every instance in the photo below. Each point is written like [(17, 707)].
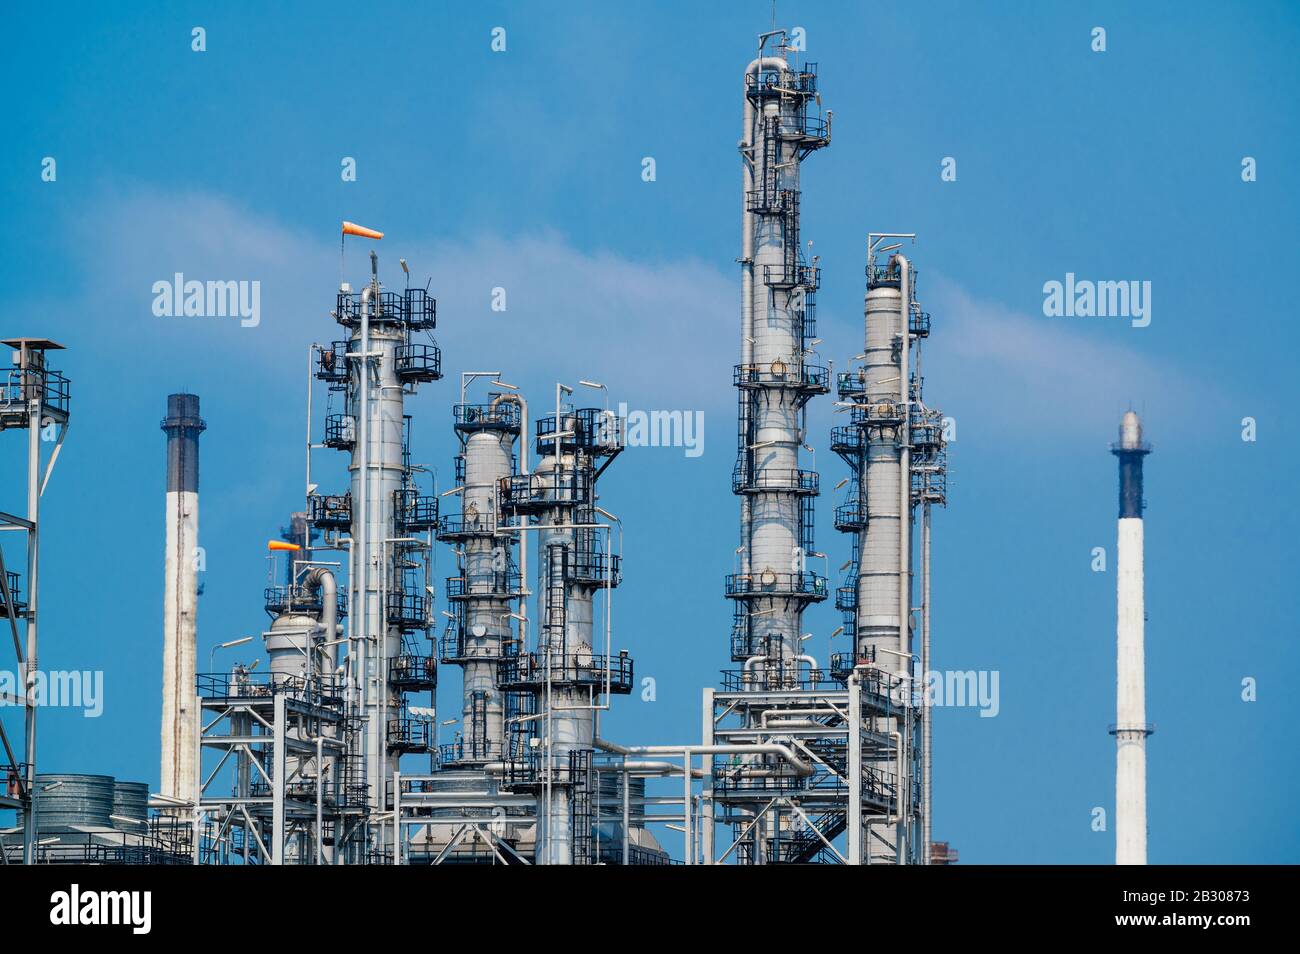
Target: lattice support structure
[(33, 397), (273, 785)]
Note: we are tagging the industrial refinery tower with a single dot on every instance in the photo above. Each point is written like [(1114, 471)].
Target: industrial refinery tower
[(775, 378), (1131, 728), (484, 597), (389, 578), (792, 750), (520, 782), (772, 585), (798, 761), (482, 594), (568, 678), (807, 763), (894, 446), (303, 763), (301, 759)]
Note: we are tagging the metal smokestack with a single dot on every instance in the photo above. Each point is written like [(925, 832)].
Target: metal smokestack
[(1131, 728), (180, 600)]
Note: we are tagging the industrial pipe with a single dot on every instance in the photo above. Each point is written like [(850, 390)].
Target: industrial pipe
[(322, 579), (905, 457), (800, 766), (524, 441), (927, 714)]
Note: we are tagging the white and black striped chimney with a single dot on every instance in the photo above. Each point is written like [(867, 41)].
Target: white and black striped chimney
[(180, 598)]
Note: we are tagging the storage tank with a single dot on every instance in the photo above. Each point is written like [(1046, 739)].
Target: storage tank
[(67, 800), (130, 806)]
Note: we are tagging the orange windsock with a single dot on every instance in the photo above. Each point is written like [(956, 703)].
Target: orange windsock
[(281, 545), (351, 228)]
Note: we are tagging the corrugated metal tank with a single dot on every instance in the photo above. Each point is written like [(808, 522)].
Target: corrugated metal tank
[(130, 806), (611, 798), (65, 800)]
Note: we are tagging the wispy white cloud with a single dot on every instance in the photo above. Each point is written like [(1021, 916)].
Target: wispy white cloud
[(1006, 374), (659, 333)]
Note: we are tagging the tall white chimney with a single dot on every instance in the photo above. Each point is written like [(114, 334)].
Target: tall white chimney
[(1131, 728), (181, 595)]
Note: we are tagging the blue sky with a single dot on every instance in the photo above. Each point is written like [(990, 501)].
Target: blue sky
[(522, 169)]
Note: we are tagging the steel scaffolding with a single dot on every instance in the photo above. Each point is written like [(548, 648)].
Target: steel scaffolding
[(34, 397)]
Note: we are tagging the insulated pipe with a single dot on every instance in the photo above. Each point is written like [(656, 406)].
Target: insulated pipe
[(360, 604), (801, 767), (670, 768), (796, 717), (323, 579), (905, 462), (648, 768), (523, 425), (904, 793), (33, 392), (927, 714), (900, 772)]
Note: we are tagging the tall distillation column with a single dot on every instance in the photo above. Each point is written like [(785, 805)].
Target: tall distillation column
[(773, 585), (481, 630), (894, 445), (183, 425), (379, 365), (883, 624), (560, 687), (1131, 728)]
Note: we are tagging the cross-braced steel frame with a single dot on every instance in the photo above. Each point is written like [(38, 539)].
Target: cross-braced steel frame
[(794, 763), (35, 398), (272, 785)]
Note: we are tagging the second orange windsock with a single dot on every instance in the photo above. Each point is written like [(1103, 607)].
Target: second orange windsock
[(281, 545), (351, 228)]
